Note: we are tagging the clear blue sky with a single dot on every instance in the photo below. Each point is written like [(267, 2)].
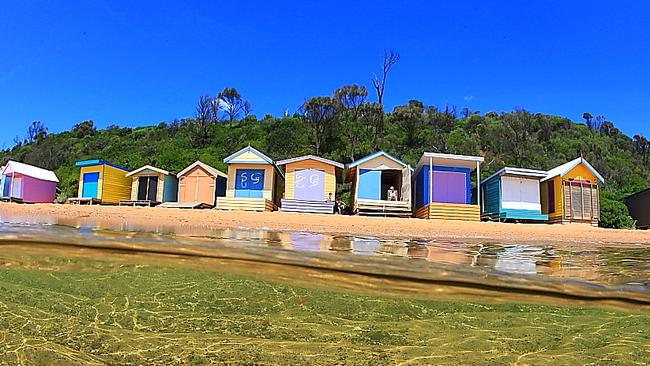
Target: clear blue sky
[(142, 62)]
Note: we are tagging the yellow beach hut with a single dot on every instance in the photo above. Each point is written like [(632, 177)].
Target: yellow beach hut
[(102, 182), (254, 182), (570, 193), (310, 184)]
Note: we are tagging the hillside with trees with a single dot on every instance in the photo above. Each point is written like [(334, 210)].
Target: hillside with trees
[(346, 126)]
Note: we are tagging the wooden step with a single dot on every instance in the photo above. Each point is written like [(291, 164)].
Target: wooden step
[(244, 204), (321, 207)]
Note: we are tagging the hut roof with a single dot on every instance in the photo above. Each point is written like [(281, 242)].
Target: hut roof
[(206, 167), (634, 195), (310, 157), (29, 170), (148, 167), (85, 163), (233, 158), (450, 159), (520, 172), (563, 169), (378, 154)]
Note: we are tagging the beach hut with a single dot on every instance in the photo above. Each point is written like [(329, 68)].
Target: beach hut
[(199, 185), (512, 194), (310, 184), (152, 186), (102, 182), (27, 183), (639, 206), (254, 182), (442, 187), (372, 177), (570, 193)]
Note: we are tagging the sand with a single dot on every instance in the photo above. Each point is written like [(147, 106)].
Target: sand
[(187, 221)]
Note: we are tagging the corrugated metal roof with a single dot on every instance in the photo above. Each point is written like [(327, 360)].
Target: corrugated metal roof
[(29, 170)]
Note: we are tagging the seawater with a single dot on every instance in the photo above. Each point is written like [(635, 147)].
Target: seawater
[(73, 293)]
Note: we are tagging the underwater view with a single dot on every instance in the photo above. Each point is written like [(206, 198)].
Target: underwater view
[(73, 294)]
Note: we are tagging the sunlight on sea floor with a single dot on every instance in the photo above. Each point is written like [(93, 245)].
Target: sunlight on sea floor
[(69, 308)]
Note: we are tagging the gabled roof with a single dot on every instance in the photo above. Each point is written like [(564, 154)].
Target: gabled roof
[(233, 158), (310, 157), (148, 167), (85, 163), (563, 169), (206, 167), (377, 154), (30, 171), (520, 172)]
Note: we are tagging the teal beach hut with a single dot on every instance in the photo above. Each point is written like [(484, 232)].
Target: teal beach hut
[(512, 194)]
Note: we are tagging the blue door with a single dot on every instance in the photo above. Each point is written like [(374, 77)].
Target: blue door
[(89, 188), (249, 183), (7, 186), (369, 184)]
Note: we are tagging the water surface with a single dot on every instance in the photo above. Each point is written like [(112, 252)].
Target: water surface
[(104, 295)]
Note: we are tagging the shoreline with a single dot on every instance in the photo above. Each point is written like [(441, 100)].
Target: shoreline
[(193, 221)]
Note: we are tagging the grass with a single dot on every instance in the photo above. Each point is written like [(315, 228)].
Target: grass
[(61, 310)]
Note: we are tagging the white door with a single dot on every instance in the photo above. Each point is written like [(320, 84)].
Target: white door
[(520, 193)]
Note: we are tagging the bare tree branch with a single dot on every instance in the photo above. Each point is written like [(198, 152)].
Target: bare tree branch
[(390, 59)]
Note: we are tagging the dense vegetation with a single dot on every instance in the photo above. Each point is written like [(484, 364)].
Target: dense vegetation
[(346, 126)]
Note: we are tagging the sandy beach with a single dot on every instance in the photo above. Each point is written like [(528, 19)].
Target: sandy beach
[(187, 221)]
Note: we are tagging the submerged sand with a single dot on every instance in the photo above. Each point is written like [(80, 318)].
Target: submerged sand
[(188, 221)]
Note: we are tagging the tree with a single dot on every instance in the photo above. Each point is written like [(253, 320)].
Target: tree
[(83, 129), (36, 132), (518, 138), (587, 117), (641, 147), (597, 122), (390, 59), (205, 111), (410, 118), (350, 100), (232, 104), (319, 114)]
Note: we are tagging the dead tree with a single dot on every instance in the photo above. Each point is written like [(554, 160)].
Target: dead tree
[(390, 59)]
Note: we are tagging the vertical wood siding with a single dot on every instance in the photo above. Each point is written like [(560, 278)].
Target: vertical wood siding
[(330, 176), (116, 186)]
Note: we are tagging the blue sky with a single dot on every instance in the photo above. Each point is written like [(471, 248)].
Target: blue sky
[(141, 62)]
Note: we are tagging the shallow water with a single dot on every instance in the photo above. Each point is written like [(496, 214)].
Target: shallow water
[(91, 293)]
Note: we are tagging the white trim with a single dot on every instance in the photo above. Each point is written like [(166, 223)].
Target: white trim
[(211, 170), (30, 171), (147, 167), (534, 173)]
